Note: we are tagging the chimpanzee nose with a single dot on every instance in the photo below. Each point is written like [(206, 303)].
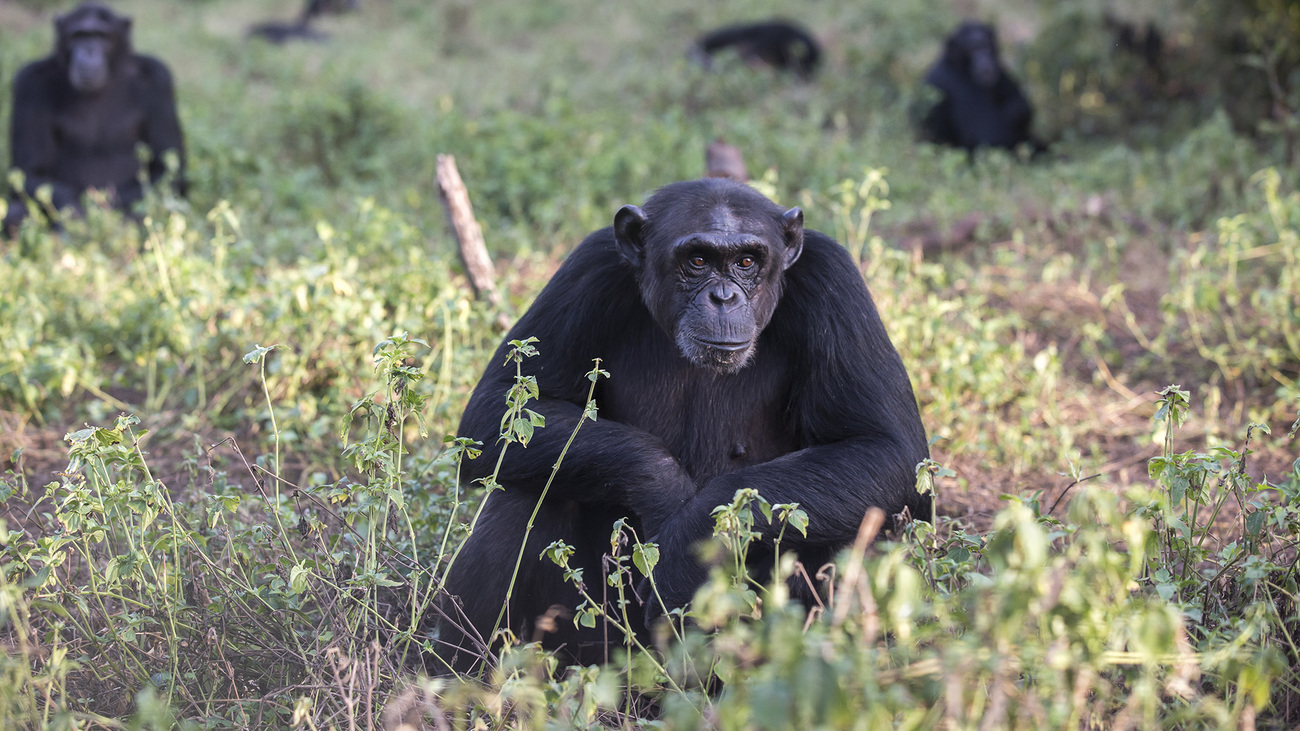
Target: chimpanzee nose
[(722, 294)]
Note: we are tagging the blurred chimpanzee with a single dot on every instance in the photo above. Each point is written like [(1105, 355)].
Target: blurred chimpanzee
[(776, 43), (300, 29), (79, 114), (744, 352), (982, 106), (1148, 43), (323, 7)]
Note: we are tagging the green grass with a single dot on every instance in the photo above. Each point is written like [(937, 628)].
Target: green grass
[(259, 543)]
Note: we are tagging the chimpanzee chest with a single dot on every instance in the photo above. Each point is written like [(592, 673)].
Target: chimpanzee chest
[(97, 137), (712, 423)]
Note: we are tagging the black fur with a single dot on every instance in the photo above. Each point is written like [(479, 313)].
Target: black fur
[(276, 31), (779, 44), (79, 114), (821, 412), (982, 106), (1147, 43)]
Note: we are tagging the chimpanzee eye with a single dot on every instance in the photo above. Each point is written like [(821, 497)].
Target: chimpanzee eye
[(697, 261), (745, 262)]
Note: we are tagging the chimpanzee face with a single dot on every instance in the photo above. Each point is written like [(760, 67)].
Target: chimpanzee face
[(90, 41), (974, 47), (711, 277)]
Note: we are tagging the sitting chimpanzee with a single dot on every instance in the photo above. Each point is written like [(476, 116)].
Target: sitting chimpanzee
[(776, 43), (744, 351), (982, 106), (79, 114)]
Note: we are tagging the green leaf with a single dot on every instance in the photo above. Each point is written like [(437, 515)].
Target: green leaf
[(523, 430), (799, 521), (1156, 467), (1178, 489), (48, 606), (258, 353), (298, 577), (558, 552), (645, 556), (1254, 523)]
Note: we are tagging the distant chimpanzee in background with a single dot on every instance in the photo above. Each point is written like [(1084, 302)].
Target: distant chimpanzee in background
[(744, 352), (779, 44), (324, 7), (300, 29), (79, 114), (1148, 44), (982, 105)]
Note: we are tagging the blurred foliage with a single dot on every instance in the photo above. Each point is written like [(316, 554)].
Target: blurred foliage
[(1236, 296), (163, 326)]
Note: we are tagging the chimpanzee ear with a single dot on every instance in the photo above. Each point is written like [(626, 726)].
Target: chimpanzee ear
[(629, 234), (792, 228)]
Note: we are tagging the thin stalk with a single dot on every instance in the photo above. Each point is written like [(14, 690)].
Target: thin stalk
[(519, 558), (496, 470), (270, 410)]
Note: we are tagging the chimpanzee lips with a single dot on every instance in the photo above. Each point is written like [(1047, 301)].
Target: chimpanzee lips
[(730, 347), (720, 356)]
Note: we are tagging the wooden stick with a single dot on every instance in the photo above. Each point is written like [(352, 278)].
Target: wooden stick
[(469, 236), (724, 161)]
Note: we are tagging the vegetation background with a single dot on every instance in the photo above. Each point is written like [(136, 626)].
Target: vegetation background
[(258, 543)]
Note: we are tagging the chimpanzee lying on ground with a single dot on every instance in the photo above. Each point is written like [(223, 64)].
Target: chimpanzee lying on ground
[(779, 44), (300, 28)]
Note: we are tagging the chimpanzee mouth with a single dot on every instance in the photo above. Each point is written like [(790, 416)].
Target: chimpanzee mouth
[(729, 347), (720, 356)]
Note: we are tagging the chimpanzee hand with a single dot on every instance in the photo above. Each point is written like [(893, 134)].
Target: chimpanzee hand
[(679, 572), (661, 502)]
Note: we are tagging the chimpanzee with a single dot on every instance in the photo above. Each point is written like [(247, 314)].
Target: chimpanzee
[(1148, 43), (300, 28), (982, 106), (79, 114), (777, 43), (324, 7), (744, 351)]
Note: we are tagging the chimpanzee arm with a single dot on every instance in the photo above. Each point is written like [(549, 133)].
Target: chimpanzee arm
[(939, 124), (1013, 106), (576, 318), (608, 463), (855, 413), (31, 139), (162, 126)]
